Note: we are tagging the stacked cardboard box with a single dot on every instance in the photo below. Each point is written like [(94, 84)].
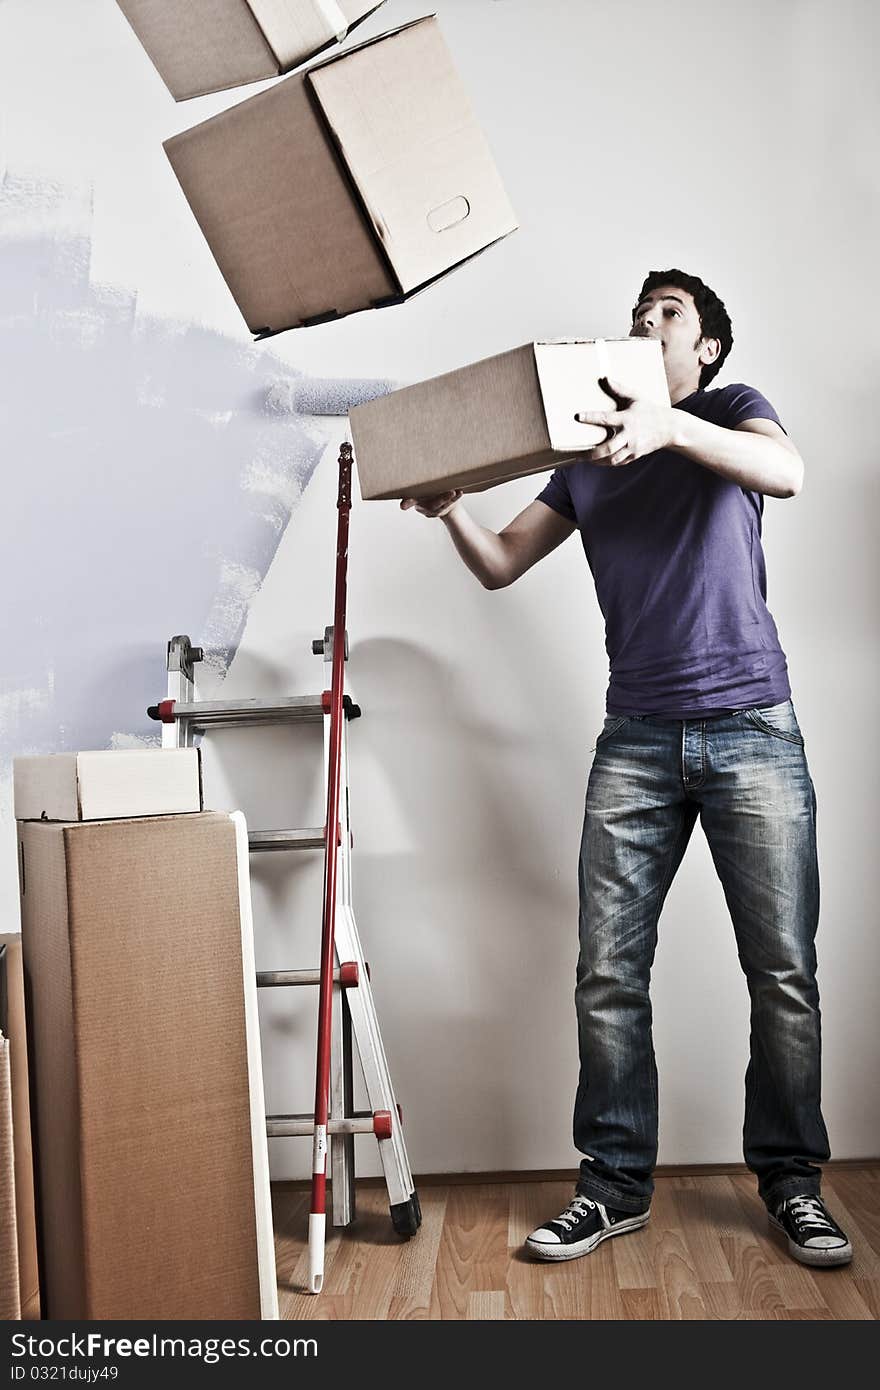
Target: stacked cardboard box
[(149, 1126), (10, 1297), (12, 1024)]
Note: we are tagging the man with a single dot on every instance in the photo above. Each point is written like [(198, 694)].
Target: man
[(700, 723)]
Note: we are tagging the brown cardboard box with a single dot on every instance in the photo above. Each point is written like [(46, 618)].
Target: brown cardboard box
[(499, 418), (109, 782), (150, 1137), (12, 1023), (200, 46), (10, 1303), (346, 187)]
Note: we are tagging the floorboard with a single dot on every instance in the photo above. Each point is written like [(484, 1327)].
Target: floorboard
[(707, 1253)]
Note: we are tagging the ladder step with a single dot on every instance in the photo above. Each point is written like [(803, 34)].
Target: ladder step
[(219, 714), (311, 837), (347, 975), (361, 1122)]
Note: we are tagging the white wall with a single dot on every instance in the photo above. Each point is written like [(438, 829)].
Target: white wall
[(737, 142)]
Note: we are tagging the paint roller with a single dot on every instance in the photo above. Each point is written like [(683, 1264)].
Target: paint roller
[(327, 396), (324, 396)]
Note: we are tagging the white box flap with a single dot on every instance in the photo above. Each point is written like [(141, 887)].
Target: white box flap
[(569, 373), (294, 29)]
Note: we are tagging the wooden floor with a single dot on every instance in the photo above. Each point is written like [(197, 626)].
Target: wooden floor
[(707, 1253)]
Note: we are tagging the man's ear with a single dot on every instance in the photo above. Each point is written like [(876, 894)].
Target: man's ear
[(710, 349)]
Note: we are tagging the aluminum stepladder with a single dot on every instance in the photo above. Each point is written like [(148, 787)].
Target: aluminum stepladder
[(183, 717)]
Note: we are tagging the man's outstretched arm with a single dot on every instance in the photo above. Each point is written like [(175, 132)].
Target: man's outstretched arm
[(755, 454), (497, 558)]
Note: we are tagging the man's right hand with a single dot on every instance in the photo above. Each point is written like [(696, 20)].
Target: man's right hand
[(440, 505), (496, 559)]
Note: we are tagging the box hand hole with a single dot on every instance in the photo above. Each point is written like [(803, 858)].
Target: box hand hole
[(449, 214)]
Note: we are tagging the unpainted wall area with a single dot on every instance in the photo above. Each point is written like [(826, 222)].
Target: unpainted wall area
[(150, 492)]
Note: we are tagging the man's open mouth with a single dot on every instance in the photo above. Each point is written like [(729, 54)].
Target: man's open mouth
[(643, 333)]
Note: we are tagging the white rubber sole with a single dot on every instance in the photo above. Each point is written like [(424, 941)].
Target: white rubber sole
[(543, 1251), (817, 1256)]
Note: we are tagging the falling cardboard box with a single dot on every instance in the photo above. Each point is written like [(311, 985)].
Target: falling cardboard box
[(349, 186), (143, 1045), (200, 46), (499, 418)]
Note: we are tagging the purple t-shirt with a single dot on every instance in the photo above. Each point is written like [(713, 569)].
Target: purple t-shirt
[(675, 551)]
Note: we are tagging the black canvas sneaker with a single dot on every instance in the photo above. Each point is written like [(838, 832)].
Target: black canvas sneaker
[(580, 1228), (814, 1237)]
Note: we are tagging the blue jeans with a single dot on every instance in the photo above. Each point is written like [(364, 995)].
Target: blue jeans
[(745, 775)]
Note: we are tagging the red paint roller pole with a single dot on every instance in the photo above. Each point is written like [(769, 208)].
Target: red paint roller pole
[(318, 1211)]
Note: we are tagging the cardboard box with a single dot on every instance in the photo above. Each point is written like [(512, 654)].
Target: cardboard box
[(150, 1134), (200, 46), (346, 187), (111, 782), (12, 1024), (499, 418), (10, 1303)]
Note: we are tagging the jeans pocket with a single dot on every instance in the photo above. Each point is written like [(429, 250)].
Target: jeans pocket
[(778, 720), (613, 722)]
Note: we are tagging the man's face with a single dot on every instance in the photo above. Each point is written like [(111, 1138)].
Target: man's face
[(670, 315)]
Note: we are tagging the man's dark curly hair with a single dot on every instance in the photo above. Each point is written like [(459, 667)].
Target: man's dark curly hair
[(714, 318)]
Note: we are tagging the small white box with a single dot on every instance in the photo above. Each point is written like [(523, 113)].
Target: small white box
[(107, 784)]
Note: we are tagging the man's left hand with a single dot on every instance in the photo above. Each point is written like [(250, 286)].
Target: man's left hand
[(639, 427)]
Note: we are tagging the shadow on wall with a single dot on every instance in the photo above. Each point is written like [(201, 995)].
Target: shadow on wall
[(148, 489), (464, 798), (479, 780)]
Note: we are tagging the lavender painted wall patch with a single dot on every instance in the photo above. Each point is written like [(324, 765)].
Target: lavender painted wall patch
[(147, 484)]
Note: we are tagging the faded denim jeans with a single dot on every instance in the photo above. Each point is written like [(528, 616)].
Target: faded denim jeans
[(745, 775)]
